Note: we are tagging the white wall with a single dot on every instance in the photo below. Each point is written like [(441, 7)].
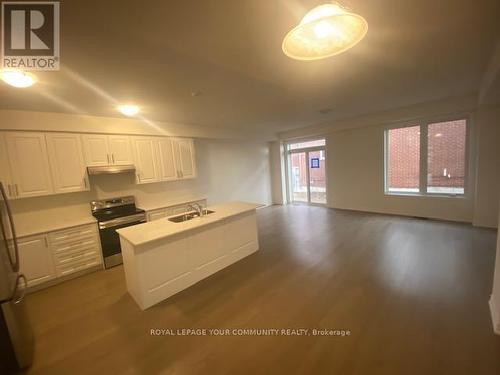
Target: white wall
[(355, 162), (355, 152), (277, 168), (488, 167), (63, 122), (227, 170), (495, 295)]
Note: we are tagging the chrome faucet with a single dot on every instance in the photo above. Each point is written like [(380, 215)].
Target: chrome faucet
[(196, 207)]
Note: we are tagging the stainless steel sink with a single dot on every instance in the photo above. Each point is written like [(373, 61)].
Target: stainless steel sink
[(188, 216)]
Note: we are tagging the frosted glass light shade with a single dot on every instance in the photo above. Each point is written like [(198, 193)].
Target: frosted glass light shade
[(326, 30)]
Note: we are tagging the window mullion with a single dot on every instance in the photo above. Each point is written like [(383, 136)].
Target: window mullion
[(423, 158)]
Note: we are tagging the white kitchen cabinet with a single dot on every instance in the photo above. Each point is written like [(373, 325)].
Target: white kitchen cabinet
[(75, 249), (101, 150), (166, 152), (96, 149), (29, 164), (67, 162), (185, 158), (5, 175), (146, 159), (120, 150), (35, 258)]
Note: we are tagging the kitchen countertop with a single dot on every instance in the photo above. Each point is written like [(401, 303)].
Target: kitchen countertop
[(143, 233), (24, 229)]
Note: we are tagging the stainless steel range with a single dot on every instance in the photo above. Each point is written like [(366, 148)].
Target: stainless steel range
[(113, 214)]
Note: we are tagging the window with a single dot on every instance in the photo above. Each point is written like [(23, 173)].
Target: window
[(404, 159), (436, 151), (446, 157)]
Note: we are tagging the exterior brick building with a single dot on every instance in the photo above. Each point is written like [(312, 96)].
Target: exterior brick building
[(445, 156)]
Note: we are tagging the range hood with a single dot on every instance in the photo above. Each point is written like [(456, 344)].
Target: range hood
[(111, 169)]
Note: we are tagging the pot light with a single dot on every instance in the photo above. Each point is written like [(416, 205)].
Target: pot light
[(325, 31), (128, 109), (18, 78)]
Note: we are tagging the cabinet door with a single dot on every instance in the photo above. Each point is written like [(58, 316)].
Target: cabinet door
[(95, 147), (119, 150), (145, 160), (35, 259), (186, 158), (5, 176), (168, 169), (66, 162), (29, 164)]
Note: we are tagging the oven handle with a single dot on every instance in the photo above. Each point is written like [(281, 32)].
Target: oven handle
[(138, 218)]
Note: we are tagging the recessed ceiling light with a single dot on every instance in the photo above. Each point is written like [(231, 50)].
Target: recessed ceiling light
[(438, 135), (128, 109), (327, 30), (18, 78)]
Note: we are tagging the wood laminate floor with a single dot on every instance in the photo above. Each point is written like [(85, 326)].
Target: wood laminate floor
[(413, 293)]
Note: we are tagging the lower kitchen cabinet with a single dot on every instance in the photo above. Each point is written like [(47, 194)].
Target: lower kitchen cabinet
[(57, 254), (75, 249), (36, 261)]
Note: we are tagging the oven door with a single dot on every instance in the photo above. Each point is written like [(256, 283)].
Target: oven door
[(110, 240)]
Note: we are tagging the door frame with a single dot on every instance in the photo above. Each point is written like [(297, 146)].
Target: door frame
[(305, 150)]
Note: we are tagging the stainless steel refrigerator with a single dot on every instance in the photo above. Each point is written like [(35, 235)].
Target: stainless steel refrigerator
[(16, 335)]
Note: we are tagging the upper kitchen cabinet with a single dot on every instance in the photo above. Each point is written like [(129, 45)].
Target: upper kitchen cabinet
[(185, 158), (163, 159), (120, 150), (166, 152), (103, 150), (5, 176), (29, 164), (146, 159), (67, 162)]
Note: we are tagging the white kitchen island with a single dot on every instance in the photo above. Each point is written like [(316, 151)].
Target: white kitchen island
[(161, 257)]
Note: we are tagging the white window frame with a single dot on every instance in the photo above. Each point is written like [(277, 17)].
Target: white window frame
[(424, 126)]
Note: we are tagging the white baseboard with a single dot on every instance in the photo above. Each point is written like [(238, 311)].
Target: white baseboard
[(495, 316)]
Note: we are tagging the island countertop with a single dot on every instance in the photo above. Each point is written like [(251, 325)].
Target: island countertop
[(154, 230)]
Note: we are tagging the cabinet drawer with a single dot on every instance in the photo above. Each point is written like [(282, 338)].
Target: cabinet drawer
[(69, 254), (78, 265), (70, 259), (75, 246), (73, 234)]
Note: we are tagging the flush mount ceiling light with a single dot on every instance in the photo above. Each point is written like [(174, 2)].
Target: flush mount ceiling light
[(128, 109), (18, 78), (325, 31)]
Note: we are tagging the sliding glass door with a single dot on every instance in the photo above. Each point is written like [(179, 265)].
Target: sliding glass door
[(307, 172)]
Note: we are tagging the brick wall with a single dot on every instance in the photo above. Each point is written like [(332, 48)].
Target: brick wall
[(446, 155)]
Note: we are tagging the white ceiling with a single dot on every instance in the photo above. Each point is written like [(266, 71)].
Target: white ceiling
[(156, 53)]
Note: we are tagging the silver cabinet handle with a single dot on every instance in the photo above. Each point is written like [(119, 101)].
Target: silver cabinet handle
[(107, 155), (17, 192), (46, 241), (9, 186), (113, 158), (85, 182), (138, 177)]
